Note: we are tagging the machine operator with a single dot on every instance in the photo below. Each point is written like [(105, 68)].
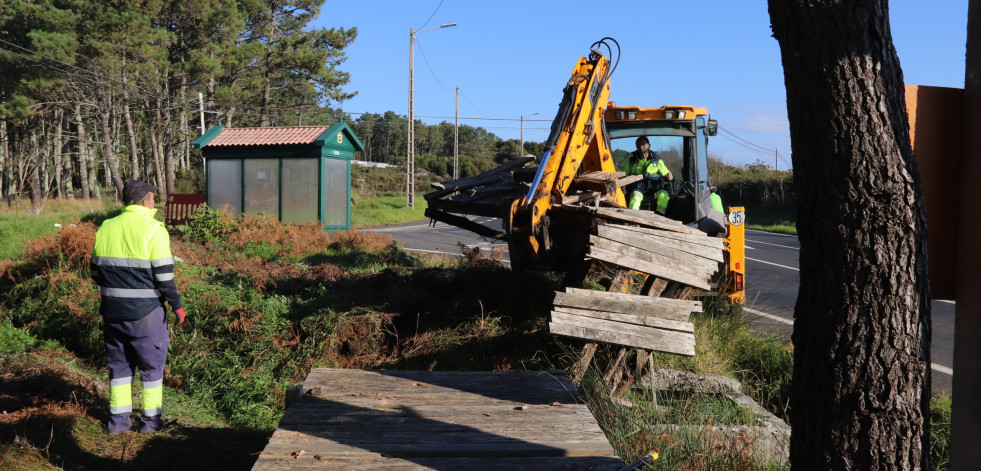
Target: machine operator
[(647, 163)]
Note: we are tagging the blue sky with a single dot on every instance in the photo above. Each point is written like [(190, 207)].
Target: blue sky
[(512, 58)]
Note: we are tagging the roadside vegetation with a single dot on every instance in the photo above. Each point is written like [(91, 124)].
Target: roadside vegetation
[(767, 194), (267, 302)]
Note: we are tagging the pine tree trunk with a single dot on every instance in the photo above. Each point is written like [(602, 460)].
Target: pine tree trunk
[(134, 155), (83, 153), (861, 390), (4, 160), (59, 163), (112, 163), (34, 172)]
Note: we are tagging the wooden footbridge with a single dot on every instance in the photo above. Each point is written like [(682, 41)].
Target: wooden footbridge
[(407, 420)]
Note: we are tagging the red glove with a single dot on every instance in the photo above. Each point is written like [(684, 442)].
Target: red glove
[(180, 315)]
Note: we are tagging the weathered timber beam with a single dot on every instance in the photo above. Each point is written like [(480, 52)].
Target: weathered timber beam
[(648, 267), (656, 243), (464, 223), (678, 261), (628, 180), (645, 320), (647, 218), (650, 339), (700, 238), (492, 175), (634, 307), (678, 304)]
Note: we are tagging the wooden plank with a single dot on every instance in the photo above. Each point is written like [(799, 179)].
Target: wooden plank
[(515, 448), (680, 304), (352, 419), (648, 267), (679, 261), (647, 218), (628, 180), (488, 384), (579, 197), (500, 173), (699, 239), (617, 327), (654, 286), (462, 222), (306, 460), (657, 243), (678, 345), (650, 321), (633, 306), (619, 282), (502, 189)]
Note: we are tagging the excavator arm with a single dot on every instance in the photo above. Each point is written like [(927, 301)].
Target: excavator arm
[(575, 145)]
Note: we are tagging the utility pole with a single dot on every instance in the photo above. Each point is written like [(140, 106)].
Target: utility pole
[(456, 137), (410, 152), (410, 155), (776, 159), (522, 150)]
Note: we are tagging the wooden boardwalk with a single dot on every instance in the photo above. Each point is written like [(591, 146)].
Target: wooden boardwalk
[(361, 420)]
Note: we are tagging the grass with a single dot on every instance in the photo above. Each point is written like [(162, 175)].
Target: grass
[(771, 219), (18, 227), (386, 210)]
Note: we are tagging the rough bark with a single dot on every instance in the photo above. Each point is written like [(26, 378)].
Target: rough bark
[(4, 157), (83, 152), (860, 397), (134, 155), (112, 162), (59, 163)]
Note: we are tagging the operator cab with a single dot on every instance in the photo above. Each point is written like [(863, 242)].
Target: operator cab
[(679, 137)]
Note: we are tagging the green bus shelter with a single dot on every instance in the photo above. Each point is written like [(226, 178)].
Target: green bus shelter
[(300, 174)]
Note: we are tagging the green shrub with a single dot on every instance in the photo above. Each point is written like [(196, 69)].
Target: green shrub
[(207, 225), (14, 340)]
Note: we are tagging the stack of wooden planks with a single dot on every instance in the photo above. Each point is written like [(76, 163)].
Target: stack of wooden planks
[(659, 324), (367, 420), (668, 253)]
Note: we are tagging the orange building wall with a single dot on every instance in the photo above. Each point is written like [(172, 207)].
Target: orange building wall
[(935, 131)]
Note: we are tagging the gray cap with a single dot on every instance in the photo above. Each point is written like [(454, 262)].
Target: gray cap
[(135, 190)]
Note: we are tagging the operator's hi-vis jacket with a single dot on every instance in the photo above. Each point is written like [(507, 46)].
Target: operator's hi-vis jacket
[(133, 266)]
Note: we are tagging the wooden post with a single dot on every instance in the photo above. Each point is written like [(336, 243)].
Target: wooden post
[(579, 369), (613, 373)]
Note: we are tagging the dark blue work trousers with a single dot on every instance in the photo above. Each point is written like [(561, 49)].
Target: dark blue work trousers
[(130, 346)]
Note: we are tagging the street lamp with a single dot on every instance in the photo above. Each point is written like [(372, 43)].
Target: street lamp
[(410, 160), (523, 133)]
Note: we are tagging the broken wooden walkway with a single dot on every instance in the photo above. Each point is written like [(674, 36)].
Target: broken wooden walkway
[(357, 419)]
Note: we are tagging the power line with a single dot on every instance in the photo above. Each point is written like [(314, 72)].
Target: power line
[(747, 142), (153, 93), (472, 104), (431, 16), (426, 60)]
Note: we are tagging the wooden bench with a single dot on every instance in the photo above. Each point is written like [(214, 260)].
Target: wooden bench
[(179, 208)]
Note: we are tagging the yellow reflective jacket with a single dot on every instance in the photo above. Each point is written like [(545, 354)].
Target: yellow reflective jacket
[(133, 266), (651, 166)]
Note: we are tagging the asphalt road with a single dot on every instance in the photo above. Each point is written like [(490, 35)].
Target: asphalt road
[(772, 279)]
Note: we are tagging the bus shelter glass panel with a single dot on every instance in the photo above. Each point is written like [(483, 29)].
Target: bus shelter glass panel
[(262, 186), (335, 192), (300, 190), (225, 184)]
